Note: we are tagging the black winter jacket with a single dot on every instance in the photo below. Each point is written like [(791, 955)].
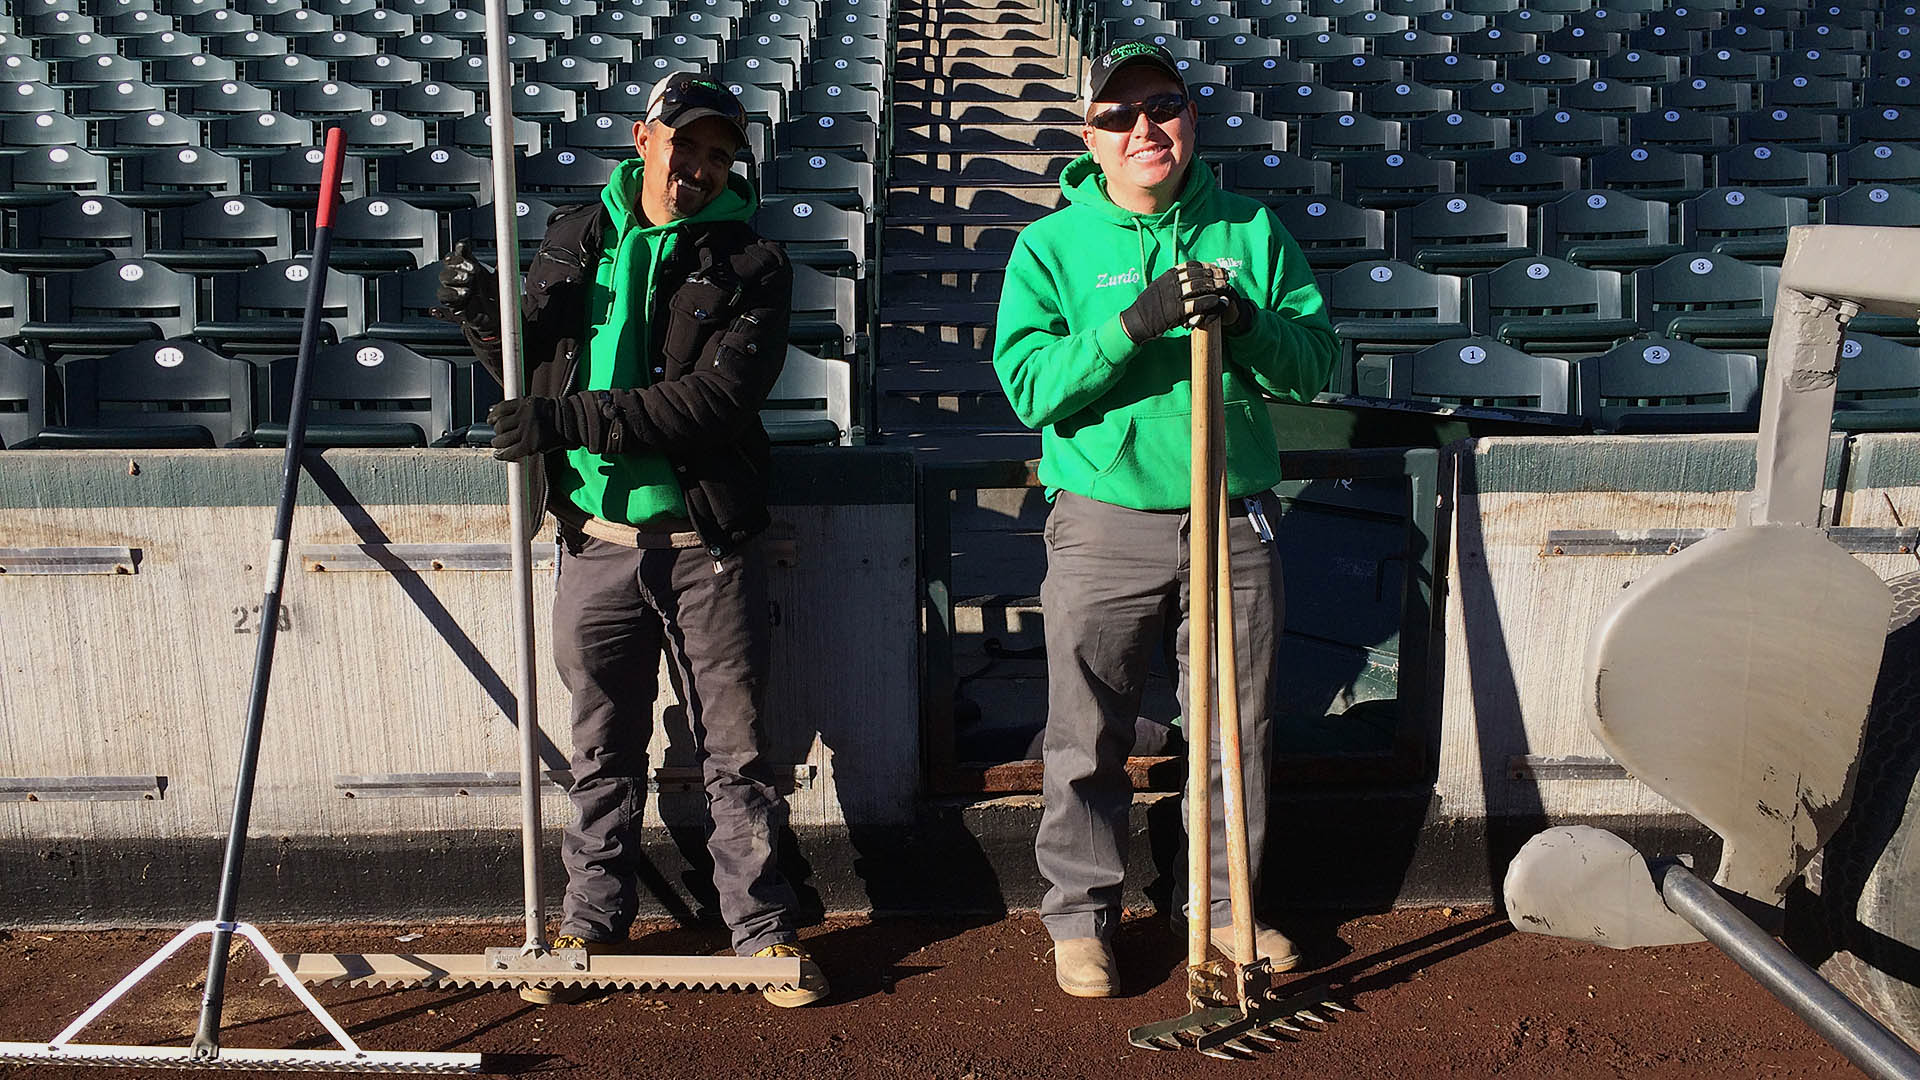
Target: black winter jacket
[(719, 339)]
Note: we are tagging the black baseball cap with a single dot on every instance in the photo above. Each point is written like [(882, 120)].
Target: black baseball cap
[(683, 97), (1124, 55)]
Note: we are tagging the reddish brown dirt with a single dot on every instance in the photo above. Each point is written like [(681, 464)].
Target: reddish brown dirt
[(1436, 993)]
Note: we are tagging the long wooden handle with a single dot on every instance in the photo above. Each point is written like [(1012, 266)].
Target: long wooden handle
[(1203, 522), (1233, 779)]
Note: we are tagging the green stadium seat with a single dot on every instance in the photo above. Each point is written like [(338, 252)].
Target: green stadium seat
[(174, 394), (1406, 101), (365, 392), (23, 397), (1504, 98), (43, 175), (1605, 95), (231, 232), (1606, 230), (13, 304), (1878, 385), (1460, 233), (1654, 385), (109, 306), (380, 234), (436, 177), (1747, 223), (1546, 305), (1458, 135), (1649, 172), (1394, 179), (259, 312), (1468, 373), (1878, 205), (1779, 170), (811, 403), (1303, 101), (1344, 135), (1332, 233), (1566, 132), (1715, 300), (1520, 177), (1383, 306), (74, 232)]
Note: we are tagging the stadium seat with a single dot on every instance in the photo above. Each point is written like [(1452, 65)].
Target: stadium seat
[(1650, 172), (1714, 300), (811, 403), (609, 135), (1457, 135), (183, 71), (1640, 67), (1606, 230), (13, 304), (117, 99), (291, 178), (365, 392), (1543, 304), (328, 100), (1804, 129), (340, 47), (1704, 95), (1503, 99), (384, 73), (1607, 96), (23, 397), (437, 177), (380, 235), (432, 100), (1520, 177), (816, 233), (1270, 72), (1343, 135), (1460, 233), (1362, 72), (1275, 174), (1800, 92), (1566, 132), (261, 134), (227, 98), (41, 129), (1879, 205), (1741, 68), (1779, 170), (1656, 384), (1680, 130), (174, 394), (109, 306), (1222, 138), (1746, 223), (1215, 99), (75, 232), (857, 139), (1879, 385), (530, 227), (474, 134), (258, 312), (227, 233), (1394, 179), (610, 48), (47, 174), (544, 104), (1402, 101), (405, 307), (565, 174), (825, 316), (1332, 233), (841, 181), (1382, 307), (1470, 372), (1454, 70)]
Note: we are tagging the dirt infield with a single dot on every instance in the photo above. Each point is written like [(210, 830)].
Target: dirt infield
[(1436, 993)]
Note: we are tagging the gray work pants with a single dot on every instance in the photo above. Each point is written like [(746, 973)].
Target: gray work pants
[(615, 609), (1116, 590)]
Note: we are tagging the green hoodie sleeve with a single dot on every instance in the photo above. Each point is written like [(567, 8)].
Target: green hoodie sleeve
[(1048, 371), (1289, 347)]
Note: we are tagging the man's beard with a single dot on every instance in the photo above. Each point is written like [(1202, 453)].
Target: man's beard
[(685, 198)]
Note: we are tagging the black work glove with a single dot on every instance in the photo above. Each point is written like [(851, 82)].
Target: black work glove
[(523, 427), (469, 293), (1181, 296)]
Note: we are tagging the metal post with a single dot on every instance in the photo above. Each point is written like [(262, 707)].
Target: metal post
[(1865, 1042), (1796, 410), (506, 230)]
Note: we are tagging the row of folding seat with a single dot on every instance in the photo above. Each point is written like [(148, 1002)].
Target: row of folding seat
[(1518, 99), (362, 392), (1643, 385), (1593, 15), (465, 20), (1515, 29)]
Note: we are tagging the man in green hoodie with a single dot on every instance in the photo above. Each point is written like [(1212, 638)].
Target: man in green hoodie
[(1092, 349), (655, 326)]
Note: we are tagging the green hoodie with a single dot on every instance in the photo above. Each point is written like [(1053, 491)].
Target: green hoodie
[(1115, 416), (639, 487)]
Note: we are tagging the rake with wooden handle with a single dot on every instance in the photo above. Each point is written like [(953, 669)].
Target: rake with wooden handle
[(1228, 1002)]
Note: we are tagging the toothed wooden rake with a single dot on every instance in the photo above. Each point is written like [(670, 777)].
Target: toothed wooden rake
[(1232, 1006), (206, 1051), (534, 963)]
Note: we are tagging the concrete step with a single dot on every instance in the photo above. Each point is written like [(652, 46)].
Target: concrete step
[(987, 137), (990, 170), (962, 312), (919, 65), (926, 236), (953, 18), (945, 110), (965, 44), (981, 205), (924, 410), (934, 343), (1033, 162), (1042, 198), (962, 289), (958, 444)]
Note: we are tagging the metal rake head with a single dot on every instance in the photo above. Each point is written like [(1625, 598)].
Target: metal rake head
[(1230, 1035)]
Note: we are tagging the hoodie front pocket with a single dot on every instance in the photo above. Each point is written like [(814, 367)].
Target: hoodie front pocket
[(694, 313)]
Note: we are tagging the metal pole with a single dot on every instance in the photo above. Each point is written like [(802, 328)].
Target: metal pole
[(206, 1039), (1201, 519), (1878, 1052), (506, 230)]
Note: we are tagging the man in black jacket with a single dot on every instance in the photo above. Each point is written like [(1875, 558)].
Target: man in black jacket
[(655, 325)]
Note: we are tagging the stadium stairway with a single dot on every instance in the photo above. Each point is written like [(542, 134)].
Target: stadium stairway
[(984, 118)]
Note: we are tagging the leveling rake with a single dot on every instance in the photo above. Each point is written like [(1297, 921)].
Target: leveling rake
[(534, 963), (1232, 1005), (206, 1051)]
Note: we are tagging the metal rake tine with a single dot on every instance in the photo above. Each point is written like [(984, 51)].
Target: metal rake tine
[(1285, 1024), (1265, 1034), (1224, 1054), (1334, 1006), (1309, 1016)]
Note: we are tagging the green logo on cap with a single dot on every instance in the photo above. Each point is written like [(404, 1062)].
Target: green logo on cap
[(1130, 50)]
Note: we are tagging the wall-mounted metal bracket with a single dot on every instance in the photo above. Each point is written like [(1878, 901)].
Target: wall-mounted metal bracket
[(82, 788), (501, 784), (1530, 767), (69, 560), (1851, 539), (386, 558)]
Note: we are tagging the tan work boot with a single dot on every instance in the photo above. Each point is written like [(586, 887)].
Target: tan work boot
[(1084, 967), (1272, 945), (562, 994), (813, 981)]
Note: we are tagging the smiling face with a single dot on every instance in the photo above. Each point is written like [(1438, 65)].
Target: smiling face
[(1146, 164), (685, 167)]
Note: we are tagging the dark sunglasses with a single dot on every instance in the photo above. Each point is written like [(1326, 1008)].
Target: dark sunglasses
[(693, 94), (1160, 108)]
